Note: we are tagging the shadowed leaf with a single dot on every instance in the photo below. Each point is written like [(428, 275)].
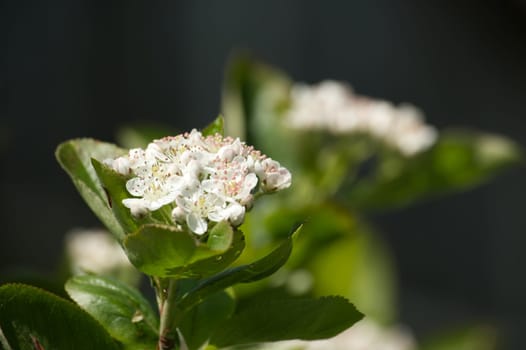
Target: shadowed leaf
[(268, 320), (32, 318), (255, 271)]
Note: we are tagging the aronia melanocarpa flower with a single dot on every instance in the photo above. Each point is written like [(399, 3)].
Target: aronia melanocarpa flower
[(202, 178)]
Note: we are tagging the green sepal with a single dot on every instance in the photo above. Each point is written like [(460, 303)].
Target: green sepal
[(215, 127), (122, 310)]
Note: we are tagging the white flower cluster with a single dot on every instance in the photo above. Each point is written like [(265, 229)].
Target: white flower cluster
[(203, 179), (333, 106), (95, 251)]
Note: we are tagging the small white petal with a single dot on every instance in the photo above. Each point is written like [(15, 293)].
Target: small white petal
[(196, 223), (236, 214), (218, 215), (137, 206), (178, 214), (136, 186)]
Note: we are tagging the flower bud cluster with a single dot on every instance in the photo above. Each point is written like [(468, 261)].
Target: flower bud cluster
[(202, 178), (333, 106)]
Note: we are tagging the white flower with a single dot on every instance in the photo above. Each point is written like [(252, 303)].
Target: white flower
[(409, 133), (120, 165), (273, 176), (200, 206), (334, 107), (202, 179)]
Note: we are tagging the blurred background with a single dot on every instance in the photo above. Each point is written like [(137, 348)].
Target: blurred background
[(84, 68)]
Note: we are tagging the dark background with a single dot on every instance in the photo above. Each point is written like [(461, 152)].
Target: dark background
[(83, 68)]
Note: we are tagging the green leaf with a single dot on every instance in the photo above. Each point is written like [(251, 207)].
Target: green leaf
[(163, 251), (75, 158), (31, 318), (460, 160), (223, 247), (154, 249), (114, 185), (255, 271), (359, 267), (122, 310), (201, 322), (268, 320), (254, 98), (215, 127)]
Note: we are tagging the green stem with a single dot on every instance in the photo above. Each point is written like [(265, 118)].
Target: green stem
[(168, 337)]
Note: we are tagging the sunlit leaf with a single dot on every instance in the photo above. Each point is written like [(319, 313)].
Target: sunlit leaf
[(223, 247), (75, 158), (154, 249), (164, 251), (31, 318), (122, 310)]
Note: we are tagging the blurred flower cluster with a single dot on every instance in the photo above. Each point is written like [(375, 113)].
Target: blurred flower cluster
[(333, 106), (94, 251)]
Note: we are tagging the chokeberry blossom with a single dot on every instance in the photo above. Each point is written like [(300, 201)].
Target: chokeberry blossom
[(333, 106), (202, 179)]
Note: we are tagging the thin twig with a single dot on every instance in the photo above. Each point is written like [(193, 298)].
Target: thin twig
[(3, 341)]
